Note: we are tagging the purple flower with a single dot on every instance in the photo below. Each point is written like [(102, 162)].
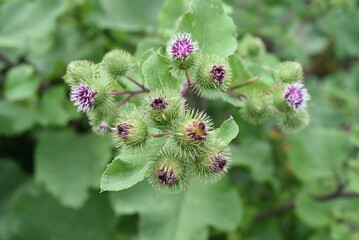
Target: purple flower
[(83, 97), (219, 163), (181, 45), (218, 74), (166, 177), (197, 131), (123, 130), (159, 104), (102, 127), (296, 96)]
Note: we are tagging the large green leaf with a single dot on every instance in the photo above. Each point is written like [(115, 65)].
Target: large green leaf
[(256, 155), (317, 153), (120, 175), (21, 83), (156, 71), (15, 118), (69, 164), (33, 214), (27, 25), (55, 108), (181, 216), (240, 74), (134, 15), (227, 131), (211, 27), (311, 212), (170, 15), (129, 167)]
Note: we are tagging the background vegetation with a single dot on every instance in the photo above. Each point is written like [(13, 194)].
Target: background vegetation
[(280, 186)]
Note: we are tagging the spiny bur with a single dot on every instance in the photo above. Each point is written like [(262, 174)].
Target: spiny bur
[(212, 75), (117, 63), (289, 72), (164, 106), (255, 108), (168, 172), (131, 130), (80, 71), (213, 164), (191, 133)]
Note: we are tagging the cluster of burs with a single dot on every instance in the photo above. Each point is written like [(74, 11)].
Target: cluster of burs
[(191, 147)]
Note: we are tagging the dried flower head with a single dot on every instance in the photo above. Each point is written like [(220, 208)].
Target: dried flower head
[(181, 46), (219, 74), (219, 163), (159, 104), (296, 96), (196, 130), (83, 96), (123, 130), (166, 176)]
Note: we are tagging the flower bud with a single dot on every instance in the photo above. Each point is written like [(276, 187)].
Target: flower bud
[(117, 63), (213, 74), (131, 131), (168, 172), (182, 51), (191, 133), (289, 72), (101, 124), (164, 106), (80, 71), (212, 165), (255, 109), (292, 122)]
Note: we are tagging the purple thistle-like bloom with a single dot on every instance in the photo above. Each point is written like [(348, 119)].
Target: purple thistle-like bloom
[(296, 96), (102, 127), (83, 96), (181, 46), (159, 104), (219, 163), (166, 177), (219, 74)]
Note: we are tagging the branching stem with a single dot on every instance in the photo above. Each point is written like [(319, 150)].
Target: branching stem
[(135, 82), (159, 134), (339, 193), (271, 89), (185, 85), (252, 80)]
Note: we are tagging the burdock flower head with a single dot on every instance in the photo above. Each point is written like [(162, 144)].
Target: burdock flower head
[(159, 104), (196, 130), (296, 96), (219, 74), (181, 46), (166, 176), (219, 163), (83, 96)]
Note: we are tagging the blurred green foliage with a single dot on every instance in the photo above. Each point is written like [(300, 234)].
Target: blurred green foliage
[(300, 186)]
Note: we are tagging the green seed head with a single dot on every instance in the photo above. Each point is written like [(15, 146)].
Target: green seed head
[(255, 109), (80, 71), (212, 165), (192, 133), (168, 172), (131, 131), (213, 75), (117, 63), (164, 106), (292, 122), (290, 72)]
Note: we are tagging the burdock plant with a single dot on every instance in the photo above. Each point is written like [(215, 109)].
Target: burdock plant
[(169, 142)]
